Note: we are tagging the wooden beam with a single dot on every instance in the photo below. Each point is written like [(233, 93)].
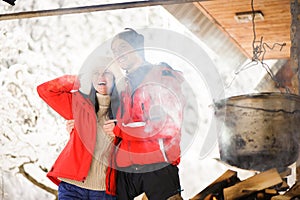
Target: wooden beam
[(93, 8), (295, 38), (295, 53)]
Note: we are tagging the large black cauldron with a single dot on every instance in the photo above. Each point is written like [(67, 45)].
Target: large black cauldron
[(261, 131)]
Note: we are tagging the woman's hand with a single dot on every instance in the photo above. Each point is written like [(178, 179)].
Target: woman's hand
[(70, 125), (109, 126)]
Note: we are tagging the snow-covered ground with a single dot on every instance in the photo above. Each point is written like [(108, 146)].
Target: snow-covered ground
[(38, 49)]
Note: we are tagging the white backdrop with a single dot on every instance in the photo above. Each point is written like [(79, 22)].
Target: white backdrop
[(39, 49)]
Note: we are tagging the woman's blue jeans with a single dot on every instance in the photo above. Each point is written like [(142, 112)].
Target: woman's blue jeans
[(68, 191)]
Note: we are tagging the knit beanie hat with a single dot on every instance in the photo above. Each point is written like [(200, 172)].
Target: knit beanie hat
[(133, 38)]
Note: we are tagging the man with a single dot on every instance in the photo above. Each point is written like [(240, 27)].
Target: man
[(149, 121)]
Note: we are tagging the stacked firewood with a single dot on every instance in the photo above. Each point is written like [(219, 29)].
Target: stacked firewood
[(267, 185)]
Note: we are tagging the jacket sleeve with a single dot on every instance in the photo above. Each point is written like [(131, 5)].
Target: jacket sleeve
[(57, 94)]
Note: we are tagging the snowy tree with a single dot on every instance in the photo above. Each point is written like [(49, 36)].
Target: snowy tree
[(34, 51)]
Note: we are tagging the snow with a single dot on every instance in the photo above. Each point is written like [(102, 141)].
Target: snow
[(39, 49)]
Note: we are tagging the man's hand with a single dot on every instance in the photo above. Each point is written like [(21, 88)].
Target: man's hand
[(70, 125), (109, 126)]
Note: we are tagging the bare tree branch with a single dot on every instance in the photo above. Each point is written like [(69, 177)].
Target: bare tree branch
[(35, 182)]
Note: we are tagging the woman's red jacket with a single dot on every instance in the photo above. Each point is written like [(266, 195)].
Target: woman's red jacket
[(74, 161)]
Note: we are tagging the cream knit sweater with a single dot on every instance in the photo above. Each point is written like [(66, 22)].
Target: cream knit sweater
[(97, 173)]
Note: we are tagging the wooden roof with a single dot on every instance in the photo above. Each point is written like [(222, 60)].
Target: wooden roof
[(274, 28)]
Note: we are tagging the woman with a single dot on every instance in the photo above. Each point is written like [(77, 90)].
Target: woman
[(81, 170)]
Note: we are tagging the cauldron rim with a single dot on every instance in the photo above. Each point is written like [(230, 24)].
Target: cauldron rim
[(263, 95)]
